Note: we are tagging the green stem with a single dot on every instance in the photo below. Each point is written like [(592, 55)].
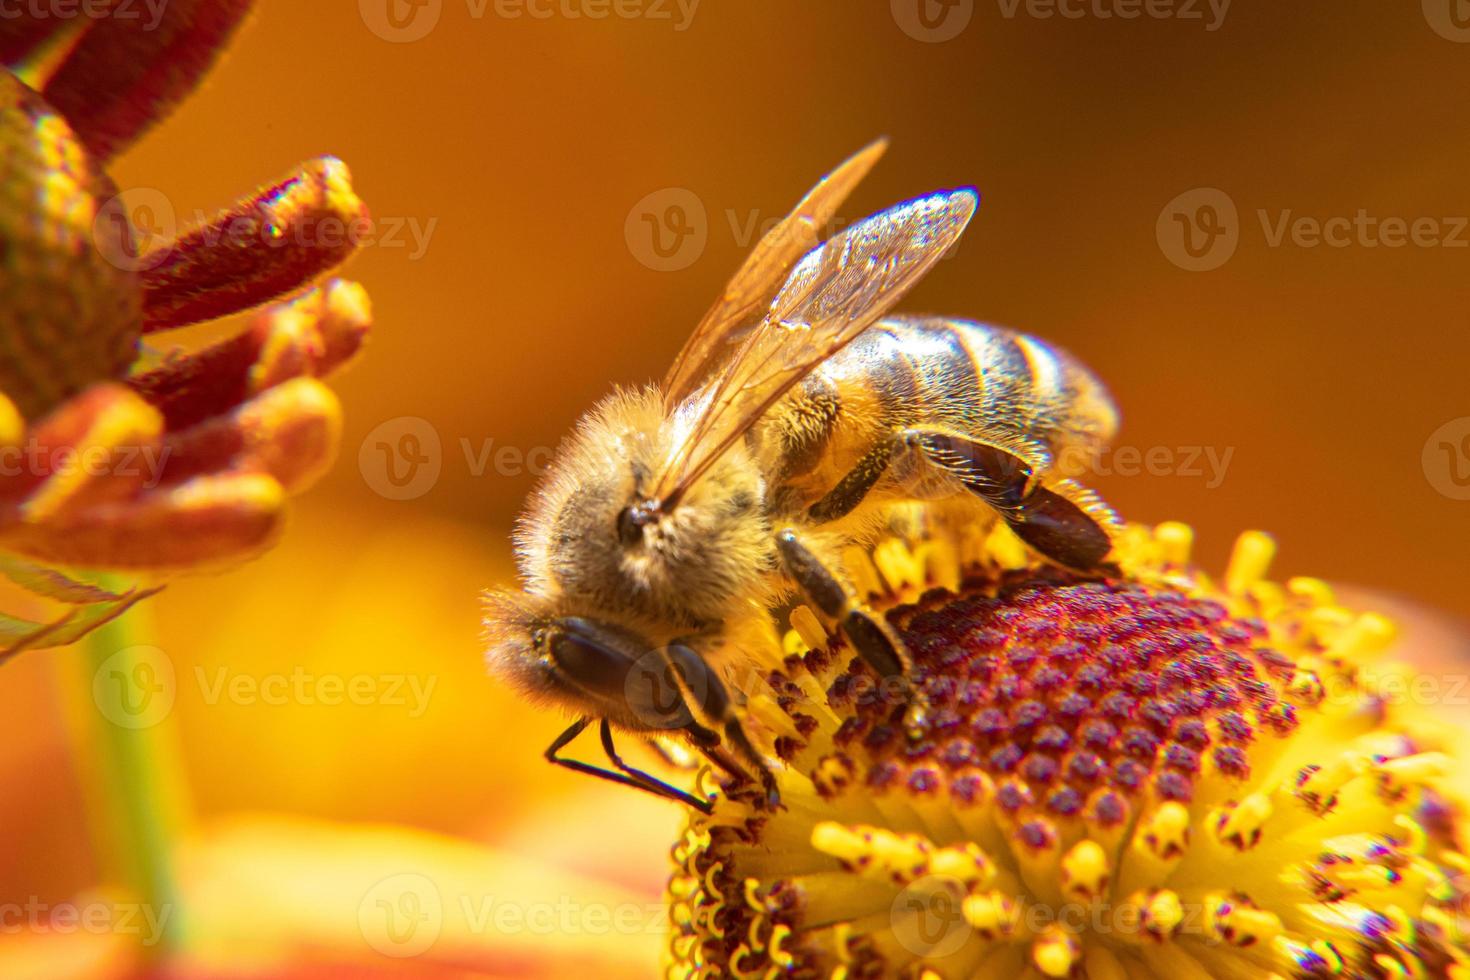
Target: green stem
[(128, 750)]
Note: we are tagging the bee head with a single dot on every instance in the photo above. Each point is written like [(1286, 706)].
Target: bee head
[(592, 532), (586, 664)]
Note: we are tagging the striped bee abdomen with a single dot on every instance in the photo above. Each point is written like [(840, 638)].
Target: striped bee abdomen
[(988, 384)]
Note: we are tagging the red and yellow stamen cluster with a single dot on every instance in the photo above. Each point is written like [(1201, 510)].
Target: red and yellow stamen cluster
[(1151, 775)]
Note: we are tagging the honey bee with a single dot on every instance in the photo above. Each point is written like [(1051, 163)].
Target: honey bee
[(795, 417)]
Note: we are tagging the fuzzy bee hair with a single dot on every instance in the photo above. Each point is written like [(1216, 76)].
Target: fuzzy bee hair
[(693, 566), (511, 621)]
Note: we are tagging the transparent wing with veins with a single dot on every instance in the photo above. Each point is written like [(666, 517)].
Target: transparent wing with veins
[(835, 292), (748, 295)]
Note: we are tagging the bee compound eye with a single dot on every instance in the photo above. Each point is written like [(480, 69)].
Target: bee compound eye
[(590, 664), (647, 685)]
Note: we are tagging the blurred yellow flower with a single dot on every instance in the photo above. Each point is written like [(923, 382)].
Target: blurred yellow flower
[(375, 858)]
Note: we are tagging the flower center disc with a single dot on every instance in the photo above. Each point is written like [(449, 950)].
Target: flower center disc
[(1148, 776)]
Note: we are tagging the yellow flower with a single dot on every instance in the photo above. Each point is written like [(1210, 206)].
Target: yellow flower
[(1153, 775)]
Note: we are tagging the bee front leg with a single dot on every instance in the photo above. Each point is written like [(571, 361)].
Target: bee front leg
[(702, 686), (852, 488), (868, 632), (635, 778)]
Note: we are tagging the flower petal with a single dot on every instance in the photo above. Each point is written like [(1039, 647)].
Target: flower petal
[(311, 336), (269, 893), (206, 520), (127, 72), (290, 432), (277, 240)]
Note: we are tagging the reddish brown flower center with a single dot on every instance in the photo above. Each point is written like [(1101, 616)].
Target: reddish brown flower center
[(1071, 696)]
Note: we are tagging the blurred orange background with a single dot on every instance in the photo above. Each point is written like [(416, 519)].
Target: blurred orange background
[(510, 163)]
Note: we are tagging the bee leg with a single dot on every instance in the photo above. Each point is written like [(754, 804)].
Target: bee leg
[(867, 631), (651, 782), (643, 781), (705, 687), (1064, 521), (708, 744), (852, 488)]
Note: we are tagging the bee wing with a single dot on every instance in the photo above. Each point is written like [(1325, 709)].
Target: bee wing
[(749, 293), (835, 292)]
